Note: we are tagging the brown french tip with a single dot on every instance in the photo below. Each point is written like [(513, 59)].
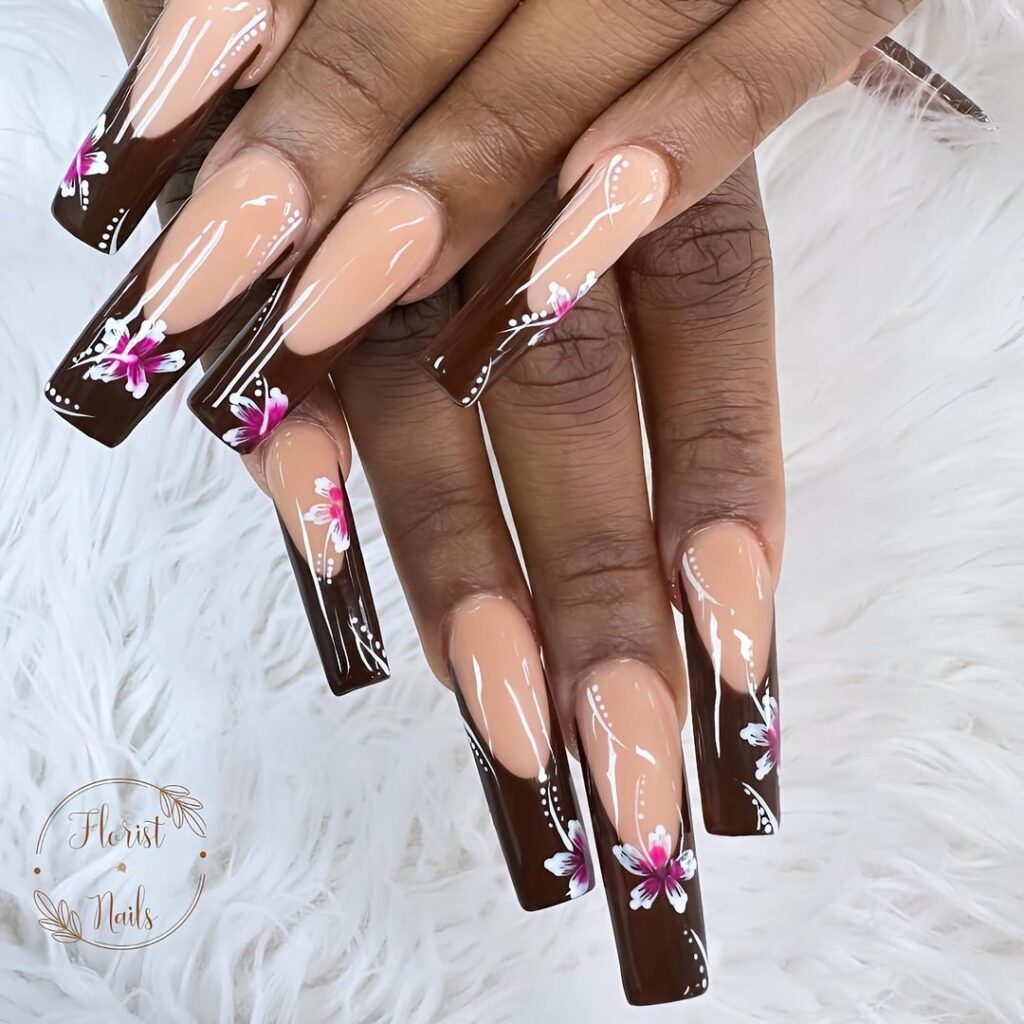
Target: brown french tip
[(308, 488), (729, 620), (373, 255), (187, 288), (195, 54), (632, 760), (519, 751), (894, 71), (596, 223)]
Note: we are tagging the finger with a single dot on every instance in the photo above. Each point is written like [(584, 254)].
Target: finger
[(181, 295), (566, 433), (658, 149), (196, 53), (355, 76), (305, 470), (295, 171), (451, 181), (430, 475), (699, 298)]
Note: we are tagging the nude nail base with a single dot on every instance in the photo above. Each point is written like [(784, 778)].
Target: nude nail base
[(537, 820), (662, 952), (340, 608), (599, 219)]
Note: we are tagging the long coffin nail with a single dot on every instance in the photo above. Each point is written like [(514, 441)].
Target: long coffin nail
[(180, 296), (891, 69), (729, 614), (597, 223), (517, 743), (377, 251), (195, 54), (636, 786), (308, 488)]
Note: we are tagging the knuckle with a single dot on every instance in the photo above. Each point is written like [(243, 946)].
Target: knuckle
[(497, 137), (713, 261), (581, 370), (349, 83), (605, 567), (720, 442), (445, 509)]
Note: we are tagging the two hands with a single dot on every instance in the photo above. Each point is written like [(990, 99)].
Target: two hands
[(427, 125)]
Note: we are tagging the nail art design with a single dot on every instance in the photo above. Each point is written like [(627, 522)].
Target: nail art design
[(894, 71), (636, 786), (196, 52), (729, 620), (308, 489), (595, 225), (376, 252), (88, 161), (506, 709), (225, 241)]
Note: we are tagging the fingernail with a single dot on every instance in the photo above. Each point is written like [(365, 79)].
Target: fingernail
[(180, 296), (636, 787), (897, 73), (598, 221), (729, 614), (195, 54), (517, 743), (377, 251), (308, 488)]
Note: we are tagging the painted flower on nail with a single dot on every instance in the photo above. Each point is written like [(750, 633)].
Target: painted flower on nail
[(575, 862), (768, 734), (257, 423), (560, 299), (88, 161), (330, 513), (134, 359), (661, 873)]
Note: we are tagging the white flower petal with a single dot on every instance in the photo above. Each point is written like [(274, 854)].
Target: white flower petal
[(676, 895), (643, 896), (318, 514), (631, 859), (755, 734), (560, 864), (322, 485)]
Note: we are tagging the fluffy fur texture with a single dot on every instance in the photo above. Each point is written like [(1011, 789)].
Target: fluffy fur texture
[(149, 625)]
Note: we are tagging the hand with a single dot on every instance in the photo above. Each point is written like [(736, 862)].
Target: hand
[(566, 432), (342, 88)]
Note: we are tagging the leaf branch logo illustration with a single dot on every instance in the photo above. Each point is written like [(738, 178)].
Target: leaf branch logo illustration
[(63, 924), (182, 808), (123, 910)]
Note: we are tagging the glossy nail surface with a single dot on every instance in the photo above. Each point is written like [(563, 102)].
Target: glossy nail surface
[(895, 72), (636, 786), (375, 253), (197, 51), (308, 488), (502, 693), (598, 222), (729, 614), (180, 296)]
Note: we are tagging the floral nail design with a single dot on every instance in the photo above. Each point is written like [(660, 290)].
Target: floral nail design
[(257, 423), (330, 513), (574, 862), (87, 161), (660, 872), (767, 733), (561, 301), (134, 359)]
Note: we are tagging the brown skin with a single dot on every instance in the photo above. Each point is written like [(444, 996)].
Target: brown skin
[(566, 431)]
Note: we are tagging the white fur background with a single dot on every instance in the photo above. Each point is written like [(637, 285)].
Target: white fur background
[(150, 626)]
